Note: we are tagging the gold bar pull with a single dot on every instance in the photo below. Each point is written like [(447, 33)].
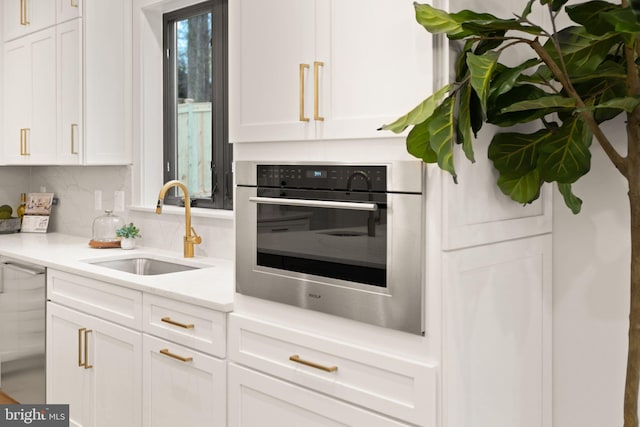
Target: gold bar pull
[(23, 13), (303, 67), (80, 331), (297, 359), (74, 128), (22, 141), (74, 3), (316, 98), (86, 349), (24, 149), (174, 323), (166, 352)]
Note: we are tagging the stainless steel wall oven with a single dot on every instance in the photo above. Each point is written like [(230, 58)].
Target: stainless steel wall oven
[(343, 239)]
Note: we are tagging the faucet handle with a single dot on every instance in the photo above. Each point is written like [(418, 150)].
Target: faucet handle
[(196, 239)]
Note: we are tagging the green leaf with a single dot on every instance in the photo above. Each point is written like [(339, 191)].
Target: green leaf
[(635, 8), (418, 143), (627, 103), (542, 103), (522, 189), (442, 131), (437, 21), (505, 78), (590, 13), (571, 200), (582, 52), (517, 94), (516, 154), (488, 26), (556, 5), (464, 122), (565, 155), (481, 69), (420, 113), (527, 9)]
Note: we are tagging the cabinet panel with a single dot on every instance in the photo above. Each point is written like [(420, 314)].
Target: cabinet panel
[(68, 9), (374, 74), (397, 387), (95, 367), (22, 17), (255, 398), (497, 354), (190, 393), (197, 327), (70, 83), (16, 96), (102, 299), (268, 41)]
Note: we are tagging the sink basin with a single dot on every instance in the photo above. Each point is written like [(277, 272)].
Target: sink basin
[(145, 266)]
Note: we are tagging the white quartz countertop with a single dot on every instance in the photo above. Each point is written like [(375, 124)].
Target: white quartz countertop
[(211, 286)]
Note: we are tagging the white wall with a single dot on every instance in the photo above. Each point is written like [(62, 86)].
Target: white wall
[(591, 297)]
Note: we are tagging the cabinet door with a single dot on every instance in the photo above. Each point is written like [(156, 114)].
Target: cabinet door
[(67, 380), (182, 386), (255, 398), (377, 65), (26, 16), (69, 75), (95, 367), (268, 43), (108, 82), (17, 105), (40, 139), (68, 9)]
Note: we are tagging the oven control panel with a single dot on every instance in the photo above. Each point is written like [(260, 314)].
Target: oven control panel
[(325, 177)]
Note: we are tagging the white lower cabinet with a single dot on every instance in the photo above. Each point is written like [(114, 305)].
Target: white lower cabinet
[(293, 373), (258, 400), (182, 387), (94, 366)]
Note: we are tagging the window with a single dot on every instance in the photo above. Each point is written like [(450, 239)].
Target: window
[(196, 147)]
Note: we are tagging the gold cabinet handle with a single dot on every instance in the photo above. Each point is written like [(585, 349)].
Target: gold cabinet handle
[(316, 98), (22, 141), (80, 332), (74, 128), (86, 349), (178, 324), (74, 3), (297, 359), (166, 352), (303, 67), (23, 13)]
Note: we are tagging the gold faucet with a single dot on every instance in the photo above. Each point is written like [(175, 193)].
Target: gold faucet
[(190, 237)]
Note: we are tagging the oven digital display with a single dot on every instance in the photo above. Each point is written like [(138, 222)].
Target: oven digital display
[(316, 174)]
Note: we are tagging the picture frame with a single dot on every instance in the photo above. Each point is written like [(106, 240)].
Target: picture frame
[(39, 204)]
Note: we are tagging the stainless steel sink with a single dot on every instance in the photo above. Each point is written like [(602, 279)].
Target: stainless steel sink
[(145, 266)]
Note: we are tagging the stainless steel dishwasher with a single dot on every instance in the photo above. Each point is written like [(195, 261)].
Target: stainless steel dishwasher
[(22, 331)]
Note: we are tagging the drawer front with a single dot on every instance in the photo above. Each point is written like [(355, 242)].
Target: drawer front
[(111, 302), (190, 325), (401, 388), (182, 386)]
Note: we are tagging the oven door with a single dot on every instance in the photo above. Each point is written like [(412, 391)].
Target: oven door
[(353, 254)]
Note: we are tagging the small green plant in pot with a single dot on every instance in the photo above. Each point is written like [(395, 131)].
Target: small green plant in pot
[(127, 234)]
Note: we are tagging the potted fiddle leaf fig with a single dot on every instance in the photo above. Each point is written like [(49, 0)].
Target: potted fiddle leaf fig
[(575, 79)]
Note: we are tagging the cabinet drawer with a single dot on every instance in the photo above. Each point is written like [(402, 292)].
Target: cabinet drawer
[(190, 325), (182, 386), (401, 388), (101, 299)]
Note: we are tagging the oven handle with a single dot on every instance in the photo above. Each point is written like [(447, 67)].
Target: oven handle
[(372, 207)]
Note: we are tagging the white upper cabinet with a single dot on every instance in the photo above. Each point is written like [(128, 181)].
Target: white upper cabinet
[(68, 9), (30, 99), (22, 17), (321, 69), (67, 88)]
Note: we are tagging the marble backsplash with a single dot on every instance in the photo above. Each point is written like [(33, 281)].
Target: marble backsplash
[(74, 186)]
